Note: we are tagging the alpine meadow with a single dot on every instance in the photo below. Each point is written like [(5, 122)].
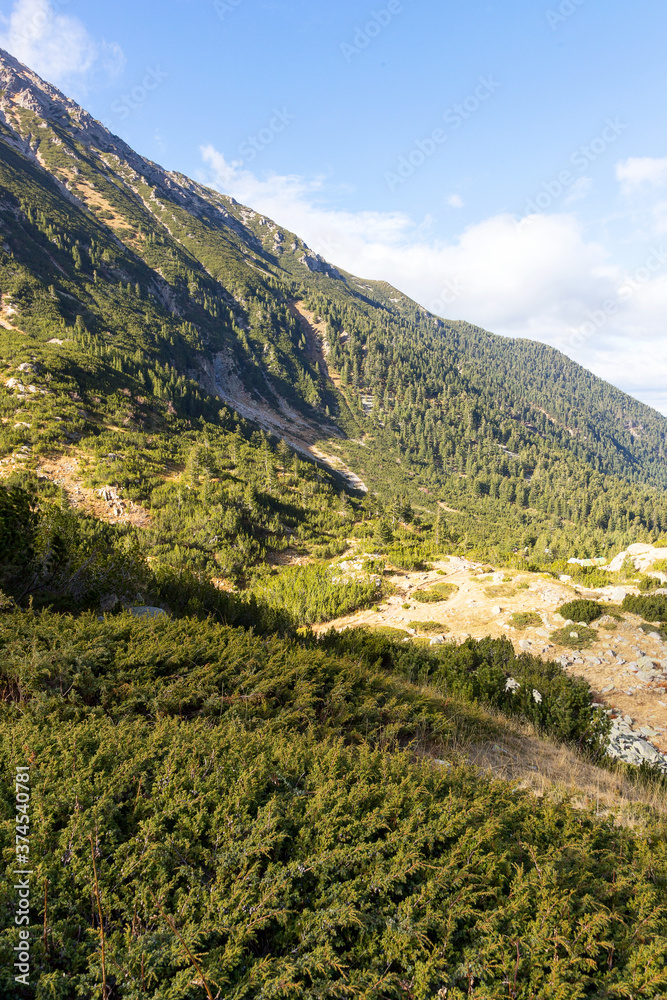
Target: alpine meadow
[(333, 633)]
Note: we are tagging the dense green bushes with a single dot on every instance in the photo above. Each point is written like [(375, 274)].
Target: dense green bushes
[(409, 557), (523, 619), (574, 636), (125, 664), (435, 594), (66, 667), (479, 671), (316, 593), (652, 608), (341, 871), (252, 795), (429, 627), (582, 611)]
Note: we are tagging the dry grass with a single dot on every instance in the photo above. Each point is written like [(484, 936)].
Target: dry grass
[(500, 590), (549, 769), (513, 751)]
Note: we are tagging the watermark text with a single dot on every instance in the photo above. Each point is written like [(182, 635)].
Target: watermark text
[(22, 873), (454, 118)]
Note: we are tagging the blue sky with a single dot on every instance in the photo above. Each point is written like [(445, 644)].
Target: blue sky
[(502, 163)]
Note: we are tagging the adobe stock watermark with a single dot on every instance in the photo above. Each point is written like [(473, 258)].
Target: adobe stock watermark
[(449, 293), (127, 103), (597, 318), (377, 21), (564, 10), (31, 30), (581, 158), (22, 873), (326, 245), (454, 117), (254, 144), (225, 7)]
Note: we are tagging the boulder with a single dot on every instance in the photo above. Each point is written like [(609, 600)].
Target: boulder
[(642, 555)]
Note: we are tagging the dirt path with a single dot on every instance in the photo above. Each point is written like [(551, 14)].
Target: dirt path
[(616, 666)]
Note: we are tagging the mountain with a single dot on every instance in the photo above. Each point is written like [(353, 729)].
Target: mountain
[(212, 439), (158, 318)]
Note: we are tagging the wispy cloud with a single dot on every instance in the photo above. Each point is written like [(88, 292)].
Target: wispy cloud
[(57, 45), (643, 184), (641, 172)]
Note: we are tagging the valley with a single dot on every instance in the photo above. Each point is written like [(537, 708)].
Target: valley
[(334, 632)]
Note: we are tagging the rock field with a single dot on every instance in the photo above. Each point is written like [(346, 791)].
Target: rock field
[(625, 667)]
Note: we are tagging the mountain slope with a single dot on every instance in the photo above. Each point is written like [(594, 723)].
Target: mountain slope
[(260, 812), (152, 309)]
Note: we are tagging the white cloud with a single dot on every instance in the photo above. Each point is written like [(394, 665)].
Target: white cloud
[(455, 201), (642, 182), (539, 278), (292, 201), (56, 46), (639, 172)]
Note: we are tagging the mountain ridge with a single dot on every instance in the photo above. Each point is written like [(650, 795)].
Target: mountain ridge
[(176, 295), (264, 805)]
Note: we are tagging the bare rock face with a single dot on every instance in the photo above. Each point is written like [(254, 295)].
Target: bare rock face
[(634, 747), (643, 556), (316, 263)]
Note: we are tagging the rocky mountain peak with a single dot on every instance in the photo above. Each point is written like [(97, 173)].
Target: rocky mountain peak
[(22, 90)]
